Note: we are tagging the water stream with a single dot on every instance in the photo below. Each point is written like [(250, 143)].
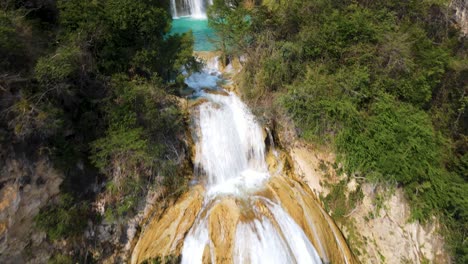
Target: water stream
[(241, 208), (230, 159)]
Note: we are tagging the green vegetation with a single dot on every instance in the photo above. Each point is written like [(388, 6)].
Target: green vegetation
[(60, 259), (65, 219), (231, 27), (384, 82), (339, 203), (92, 85)]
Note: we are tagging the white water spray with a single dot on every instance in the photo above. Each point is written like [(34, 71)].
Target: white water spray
[(230, 158), (192, 8), (174, 9), (231, 143)]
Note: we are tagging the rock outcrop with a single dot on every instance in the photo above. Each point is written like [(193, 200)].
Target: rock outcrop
[(461, 15), (164, 236), (26, 187), (379, 233)]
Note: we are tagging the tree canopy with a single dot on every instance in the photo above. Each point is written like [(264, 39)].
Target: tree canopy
[(92, 85)]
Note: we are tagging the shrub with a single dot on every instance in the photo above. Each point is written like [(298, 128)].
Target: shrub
[(43, 120), (123, 198), (59, 68), (319, 106), (13, 55), (63, 220), (60, 259), (396, 141), (141, 122)]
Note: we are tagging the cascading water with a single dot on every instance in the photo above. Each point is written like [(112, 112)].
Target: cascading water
[(191, 8), (174, 9), (244, 210), (247, 211), (230, 151)]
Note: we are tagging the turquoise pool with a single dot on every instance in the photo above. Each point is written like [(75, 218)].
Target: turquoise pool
[(201, 32)]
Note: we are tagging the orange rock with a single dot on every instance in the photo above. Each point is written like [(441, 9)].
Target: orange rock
[(164, 236), (197, 102), (217, 92), (302, 206), (222, 229)]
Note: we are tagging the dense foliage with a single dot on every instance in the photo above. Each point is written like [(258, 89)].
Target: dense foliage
[(90, 84), (382, 81), (67, 218)]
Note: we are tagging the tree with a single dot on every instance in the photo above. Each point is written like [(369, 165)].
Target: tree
[(231, 22)]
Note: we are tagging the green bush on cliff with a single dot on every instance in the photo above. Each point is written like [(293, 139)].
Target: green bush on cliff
[(66, 219), (12, 50), (394, 141), (60, 100), (338, 203), (142, 121), (123, 198), (59, 67), (60, 259), (140, 143)]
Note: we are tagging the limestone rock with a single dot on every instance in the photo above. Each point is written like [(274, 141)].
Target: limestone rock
[(195, 103), (222, 229), (27, 187), (164, 236), (217, 92), (388, 235), (302, 206)]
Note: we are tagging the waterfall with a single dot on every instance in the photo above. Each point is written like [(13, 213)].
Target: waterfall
[(231, 143), (192, 8), (174, 9), (230, 154), (240, 209)]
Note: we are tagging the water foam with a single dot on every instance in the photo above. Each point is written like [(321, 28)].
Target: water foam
[(230, 156)]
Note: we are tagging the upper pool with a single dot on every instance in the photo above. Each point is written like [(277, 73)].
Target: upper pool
[(201, 32)]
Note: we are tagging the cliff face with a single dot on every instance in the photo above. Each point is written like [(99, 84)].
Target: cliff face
[(26, 187), (378, 226), (461, 15)]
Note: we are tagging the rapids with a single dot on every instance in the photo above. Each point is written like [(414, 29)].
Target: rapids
[(242, 210)]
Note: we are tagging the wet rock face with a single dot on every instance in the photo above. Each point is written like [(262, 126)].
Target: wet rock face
[(25, 188), (224, 218), (164, 236), (461, 15), (302, 205)]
